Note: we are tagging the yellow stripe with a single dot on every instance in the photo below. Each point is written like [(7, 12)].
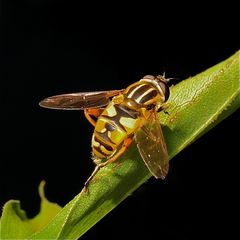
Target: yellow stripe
[(144, 94), (134, 90), (98, 154), (155, 83)]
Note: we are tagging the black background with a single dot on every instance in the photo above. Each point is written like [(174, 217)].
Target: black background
[(53, 47)]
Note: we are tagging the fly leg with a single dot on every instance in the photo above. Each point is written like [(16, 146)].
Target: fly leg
[(91, 113), (127, 142), (164, 108)]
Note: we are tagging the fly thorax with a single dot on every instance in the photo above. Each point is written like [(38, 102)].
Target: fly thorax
[(160, 83), (144, 94)]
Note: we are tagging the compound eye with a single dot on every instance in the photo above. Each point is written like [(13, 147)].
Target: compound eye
[(165, 89)]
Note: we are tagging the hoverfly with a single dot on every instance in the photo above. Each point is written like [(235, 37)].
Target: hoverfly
[(118, 117)]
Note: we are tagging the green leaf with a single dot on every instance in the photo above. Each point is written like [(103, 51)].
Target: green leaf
[(48, 210), (195, 106), (15, 224)]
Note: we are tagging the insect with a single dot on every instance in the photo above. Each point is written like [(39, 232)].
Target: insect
[(121, 116)]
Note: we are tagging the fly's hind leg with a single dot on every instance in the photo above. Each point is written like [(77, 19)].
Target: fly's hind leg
[(91, 113), (127, 142)]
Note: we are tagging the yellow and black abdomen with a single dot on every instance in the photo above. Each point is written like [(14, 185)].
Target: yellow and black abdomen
[(114, 125)]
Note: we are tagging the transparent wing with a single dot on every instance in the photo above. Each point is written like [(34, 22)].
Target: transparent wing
[(152, 147), (79, 101)]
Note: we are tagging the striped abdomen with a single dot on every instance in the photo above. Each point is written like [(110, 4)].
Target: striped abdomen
[(115, 124)]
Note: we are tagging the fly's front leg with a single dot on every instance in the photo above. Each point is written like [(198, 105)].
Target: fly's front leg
[(127, 142), (92, 112), (164, 108)]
